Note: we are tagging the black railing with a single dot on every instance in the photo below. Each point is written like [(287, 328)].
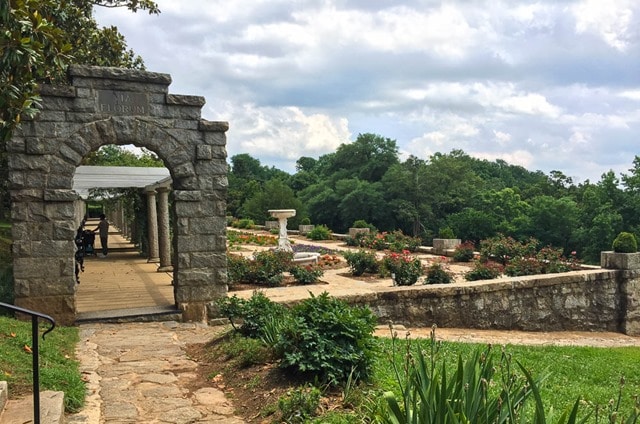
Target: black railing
[(35, 352)]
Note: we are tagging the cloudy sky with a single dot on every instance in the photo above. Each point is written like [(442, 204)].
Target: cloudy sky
[(550, 85)]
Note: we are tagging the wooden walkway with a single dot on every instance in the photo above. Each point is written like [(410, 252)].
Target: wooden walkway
[(122, 281)]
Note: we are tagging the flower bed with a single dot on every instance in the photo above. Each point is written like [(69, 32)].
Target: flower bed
[(238, 237)]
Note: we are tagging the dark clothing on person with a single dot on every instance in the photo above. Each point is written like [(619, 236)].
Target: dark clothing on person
[(103, 231), (79, 255)]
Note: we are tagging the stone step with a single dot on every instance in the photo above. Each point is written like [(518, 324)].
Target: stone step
[(147, 314), (21, 410)]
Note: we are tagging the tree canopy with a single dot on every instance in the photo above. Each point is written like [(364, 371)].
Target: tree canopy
[(476, 198)]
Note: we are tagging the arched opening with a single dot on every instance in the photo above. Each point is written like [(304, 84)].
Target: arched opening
[(115, 106), (132, 275)]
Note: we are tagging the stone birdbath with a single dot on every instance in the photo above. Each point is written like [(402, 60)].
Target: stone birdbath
[(300, 258), (281, 215)]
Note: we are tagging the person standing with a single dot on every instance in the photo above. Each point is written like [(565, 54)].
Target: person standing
[(103, 232)]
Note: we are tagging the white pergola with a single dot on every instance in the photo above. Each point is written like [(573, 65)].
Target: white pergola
[(157, 184), (88, 177)]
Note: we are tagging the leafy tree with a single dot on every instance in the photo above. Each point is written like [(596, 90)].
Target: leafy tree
[(406, 191), (362, 200), (554, 221), (275, 194), (367, 158), (507, 210), (451, 183), (119, 156), (322, 202), (472, 224), (246, 167), (246, 178), (307, 164), (631, 205), (596, 236)]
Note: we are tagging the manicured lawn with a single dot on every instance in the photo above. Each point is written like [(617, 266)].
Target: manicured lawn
[(58, 368)]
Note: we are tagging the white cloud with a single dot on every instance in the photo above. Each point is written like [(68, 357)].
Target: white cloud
[(611, 20), (523, 158), (501, 138), (531, 103), (283, 134), (545, 84), (631, 94)]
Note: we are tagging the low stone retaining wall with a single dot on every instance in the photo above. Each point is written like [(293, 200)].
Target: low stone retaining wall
[(595, 300)]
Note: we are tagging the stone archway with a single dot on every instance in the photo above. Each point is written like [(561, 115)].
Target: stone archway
[(115, 106)]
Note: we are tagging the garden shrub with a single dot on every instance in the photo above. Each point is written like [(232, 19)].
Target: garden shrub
[(308, 274), (520, 266), (625, 243), (267, 267), (320, 232), (503, 248), (305, 221), (395, 241), (329, 340), (464, 252), (237, 268), (402, 242), (484, 270), (353, 241), (404, 268), (250, 317), (547, 261), (437, 273), (299, 404), (375, 241), (244, 223), (361, 261), (554, 261), (360, 223), (446, 233)]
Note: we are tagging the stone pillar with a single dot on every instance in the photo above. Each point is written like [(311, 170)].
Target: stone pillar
[(164, 240), (152, 226), (123, 225), (43, 231), (628, 265)]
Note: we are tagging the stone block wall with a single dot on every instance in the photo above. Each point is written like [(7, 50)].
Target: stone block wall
[(598, 300)]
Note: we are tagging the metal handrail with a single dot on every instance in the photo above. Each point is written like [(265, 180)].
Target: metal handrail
[(35, 351)]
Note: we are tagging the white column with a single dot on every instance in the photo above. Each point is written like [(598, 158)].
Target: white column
[(152, 226), (164, 240)]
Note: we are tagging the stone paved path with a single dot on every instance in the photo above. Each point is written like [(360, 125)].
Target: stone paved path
[(138, 373)]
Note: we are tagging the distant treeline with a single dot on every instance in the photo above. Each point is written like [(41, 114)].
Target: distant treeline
[(476, 199)]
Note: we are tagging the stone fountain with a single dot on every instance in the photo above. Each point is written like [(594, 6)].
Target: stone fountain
[(299, 258)]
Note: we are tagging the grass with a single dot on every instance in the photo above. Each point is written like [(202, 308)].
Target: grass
[(589, 373), (58, 368)]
